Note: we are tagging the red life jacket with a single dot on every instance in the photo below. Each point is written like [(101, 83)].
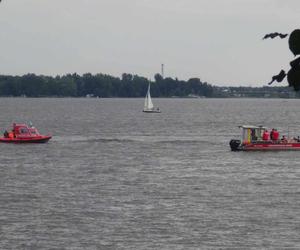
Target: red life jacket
[(11, 135), (266, 136), (275, 135)]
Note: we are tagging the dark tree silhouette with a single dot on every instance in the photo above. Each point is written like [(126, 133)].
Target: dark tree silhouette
[(293, 75)]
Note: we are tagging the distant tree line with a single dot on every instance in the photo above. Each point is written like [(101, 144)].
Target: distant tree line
[(255, 92), (101, 85), (128, 85)]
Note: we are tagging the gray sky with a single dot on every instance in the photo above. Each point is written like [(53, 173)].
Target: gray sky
[(219, 41)]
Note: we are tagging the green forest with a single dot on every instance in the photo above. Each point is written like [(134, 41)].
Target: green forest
[(128, 85), (100, 85)]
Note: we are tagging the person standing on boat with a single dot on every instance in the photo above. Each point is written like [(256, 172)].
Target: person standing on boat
[(5, 134), (253, 135), (11, 134), (272, 134), (283, 139), (275, 135), (266, 135)]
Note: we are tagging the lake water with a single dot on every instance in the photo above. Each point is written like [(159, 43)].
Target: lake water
[(114, 177)]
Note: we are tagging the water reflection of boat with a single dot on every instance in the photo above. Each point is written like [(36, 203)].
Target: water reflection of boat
[(252, 140), (22, 133)]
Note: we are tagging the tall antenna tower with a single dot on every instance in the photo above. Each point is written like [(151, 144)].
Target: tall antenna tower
[(162, 71)]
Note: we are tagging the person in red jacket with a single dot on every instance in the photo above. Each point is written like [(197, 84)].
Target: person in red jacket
[(275, 135), (11, 135), (266, 135)]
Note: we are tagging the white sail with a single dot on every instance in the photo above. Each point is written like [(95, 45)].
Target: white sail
[(148, 105), (148, 102)]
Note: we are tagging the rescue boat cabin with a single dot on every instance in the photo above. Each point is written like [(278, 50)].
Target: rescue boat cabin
[(22, 130), (252, 133)]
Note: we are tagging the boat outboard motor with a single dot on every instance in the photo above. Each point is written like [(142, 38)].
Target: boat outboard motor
[(234, 145)]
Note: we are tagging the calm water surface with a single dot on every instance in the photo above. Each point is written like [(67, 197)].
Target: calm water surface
[(113, 177)]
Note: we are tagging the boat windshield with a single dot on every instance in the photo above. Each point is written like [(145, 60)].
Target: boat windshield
[(24, 130), (33, 131)]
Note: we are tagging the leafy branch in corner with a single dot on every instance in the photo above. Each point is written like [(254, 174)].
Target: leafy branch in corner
[(293, 75)]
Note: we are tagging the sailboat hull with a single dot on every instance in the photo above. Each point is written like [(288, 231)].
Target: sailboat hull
[(152, 111)]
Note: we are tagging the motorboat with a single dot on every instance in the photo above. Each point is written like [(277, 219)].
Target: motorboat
[(253, 139), (23, 133)]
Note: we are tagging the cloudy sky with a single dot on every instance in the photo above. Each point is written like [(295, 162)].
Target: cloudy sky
[(219, 41)]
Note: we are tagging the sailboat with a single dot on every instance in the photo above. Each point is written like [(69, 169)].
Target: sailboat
[(148, 106)]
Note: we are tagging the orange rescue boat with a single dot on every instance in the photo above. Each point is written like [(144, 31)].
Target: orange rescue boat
[(22, 133)]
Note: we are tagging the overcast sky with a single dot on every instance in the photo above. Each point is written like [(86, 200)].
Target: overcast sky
[(218, 41)]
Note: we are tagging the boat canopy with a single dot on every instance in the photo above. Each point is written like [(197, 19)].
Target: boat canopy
[(21, 129), (252, 127), (252, 133)]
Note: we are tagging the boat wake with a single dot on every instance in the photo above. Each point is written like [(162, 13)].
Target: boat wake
[(133, 139)]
